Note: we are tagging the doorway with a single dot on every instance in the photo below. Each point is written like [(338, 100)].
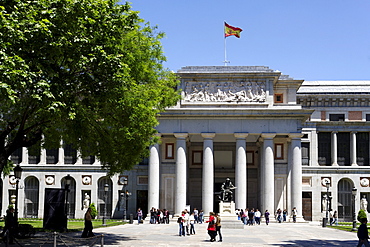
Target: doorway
[(345, 200)]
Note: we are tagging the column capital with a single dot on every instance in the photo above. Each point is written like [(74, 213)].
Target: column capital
[(181, 135), (295, 135), (268, 135), (241, 135), (208, 135), (334, 132), (354, 132)]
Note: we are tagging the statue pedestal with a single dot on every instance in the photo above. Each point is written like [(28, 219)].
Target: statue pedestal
[(228, 217)]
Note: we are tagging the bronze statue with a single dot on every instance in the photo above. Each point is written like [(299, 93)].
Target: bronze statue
[(226, 194)]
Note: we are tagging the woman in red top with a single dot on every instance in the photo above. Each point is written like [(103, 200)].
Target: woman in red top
[(212, 226)]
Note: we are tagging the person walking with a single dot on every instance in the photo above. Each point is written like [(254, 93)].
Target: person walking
[(257, 216), (294, 213), (267, 217), (180, 221), (335, 218), (251, 217), (196, 213), (285, 213), (212, 226), (218, 227), (152, 215), (87, 232), (200, 217), (139, 215), (278, 215), (363, 234), (192, 222), (10, 225)]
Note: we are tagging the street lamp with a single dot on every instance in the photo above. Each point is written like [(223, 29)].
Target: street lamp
[(127, 195), (18, 174), (124, 182), (354, 192), (325, 220), (106, 188), (68, 180)]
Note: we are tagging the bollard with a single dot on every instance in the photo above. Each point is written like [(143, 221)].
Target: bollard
[(102, 240), (131, 218), (55, 239)]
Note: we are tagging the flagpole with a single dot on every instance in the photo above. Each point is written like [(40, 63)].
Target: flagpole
[(225, 61)]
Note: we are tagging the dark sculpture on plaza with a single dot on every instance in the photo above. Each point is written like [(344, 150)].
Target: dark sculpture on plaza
[(226, 194)]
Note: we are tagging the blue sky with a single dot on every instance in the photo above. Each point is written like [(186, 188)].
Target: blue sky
[(310, 40)]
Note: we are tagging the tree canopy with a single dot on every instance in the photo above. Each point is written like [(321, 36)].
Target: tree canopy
[(88, 72)]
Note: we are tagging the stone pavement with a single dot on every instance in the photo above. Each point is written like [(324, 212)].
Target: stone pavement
[(275, 234)]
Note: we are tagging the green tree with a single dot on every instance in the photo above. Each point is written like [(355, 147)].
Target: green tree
[(94, 212), (361, 215), (89, 72)]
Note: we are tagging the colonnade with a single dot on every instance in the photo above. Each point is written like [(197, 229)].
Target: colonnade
[(267, 172), (334, 148)]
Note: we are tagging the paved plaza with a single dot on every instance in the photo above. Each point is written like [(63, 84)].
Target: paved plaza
[(275, 234)]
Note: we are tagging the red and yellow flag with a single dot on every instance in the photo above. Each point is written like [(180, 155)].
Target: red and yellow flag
[(230, 30)]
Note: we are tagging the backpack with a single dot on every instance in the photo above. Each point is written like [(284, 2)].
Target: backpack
[(179, 220)]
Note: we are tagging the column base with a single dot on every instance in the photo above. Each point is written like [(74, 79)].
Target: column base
[(299, 219), (354, 164)]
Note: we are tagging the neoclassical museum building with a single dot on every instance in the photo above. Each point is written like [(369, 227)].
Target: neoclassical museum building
[(283, 142)]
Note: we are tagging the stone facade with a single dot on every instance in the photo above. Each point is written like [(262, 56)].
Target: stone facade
[(280, 140)]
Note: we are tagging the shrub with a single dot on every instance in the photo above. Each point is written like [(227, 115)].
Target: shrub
[(94, 212), (361, 215)]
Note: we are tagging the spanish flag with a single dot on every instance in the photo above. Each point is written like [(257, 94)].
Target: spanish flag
[(230, 30)]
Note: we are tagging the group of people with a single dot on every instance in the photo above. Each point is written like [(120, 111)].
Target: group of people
[(188, 220), (158, 216), (253, 216), (214, 226), (250, 216), (186, 223)]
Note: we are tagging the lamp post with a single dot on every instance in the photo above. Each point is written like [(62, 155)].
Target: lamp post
[(127, 195), (18, 174), (354, 192), (68, 180), (124, 182), (325, 220), (106, 188)]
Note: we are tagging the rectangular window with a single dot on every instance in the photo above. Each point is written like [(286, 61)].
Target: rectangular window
[(250, 158), (170, 147), (324, 148), (142, 180), (362, 148), (305, 148), (279, 98), (279, 151), (343, 158), (197, 157), (367, 117), (336, 117)]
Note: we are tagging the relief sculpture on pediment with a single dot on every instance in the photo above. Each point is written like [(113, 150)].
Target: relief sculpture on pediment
[(224, 92)]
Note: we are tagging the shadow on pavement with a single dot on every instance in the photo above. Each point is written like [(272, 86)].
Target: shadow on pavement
[(319, 242)]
